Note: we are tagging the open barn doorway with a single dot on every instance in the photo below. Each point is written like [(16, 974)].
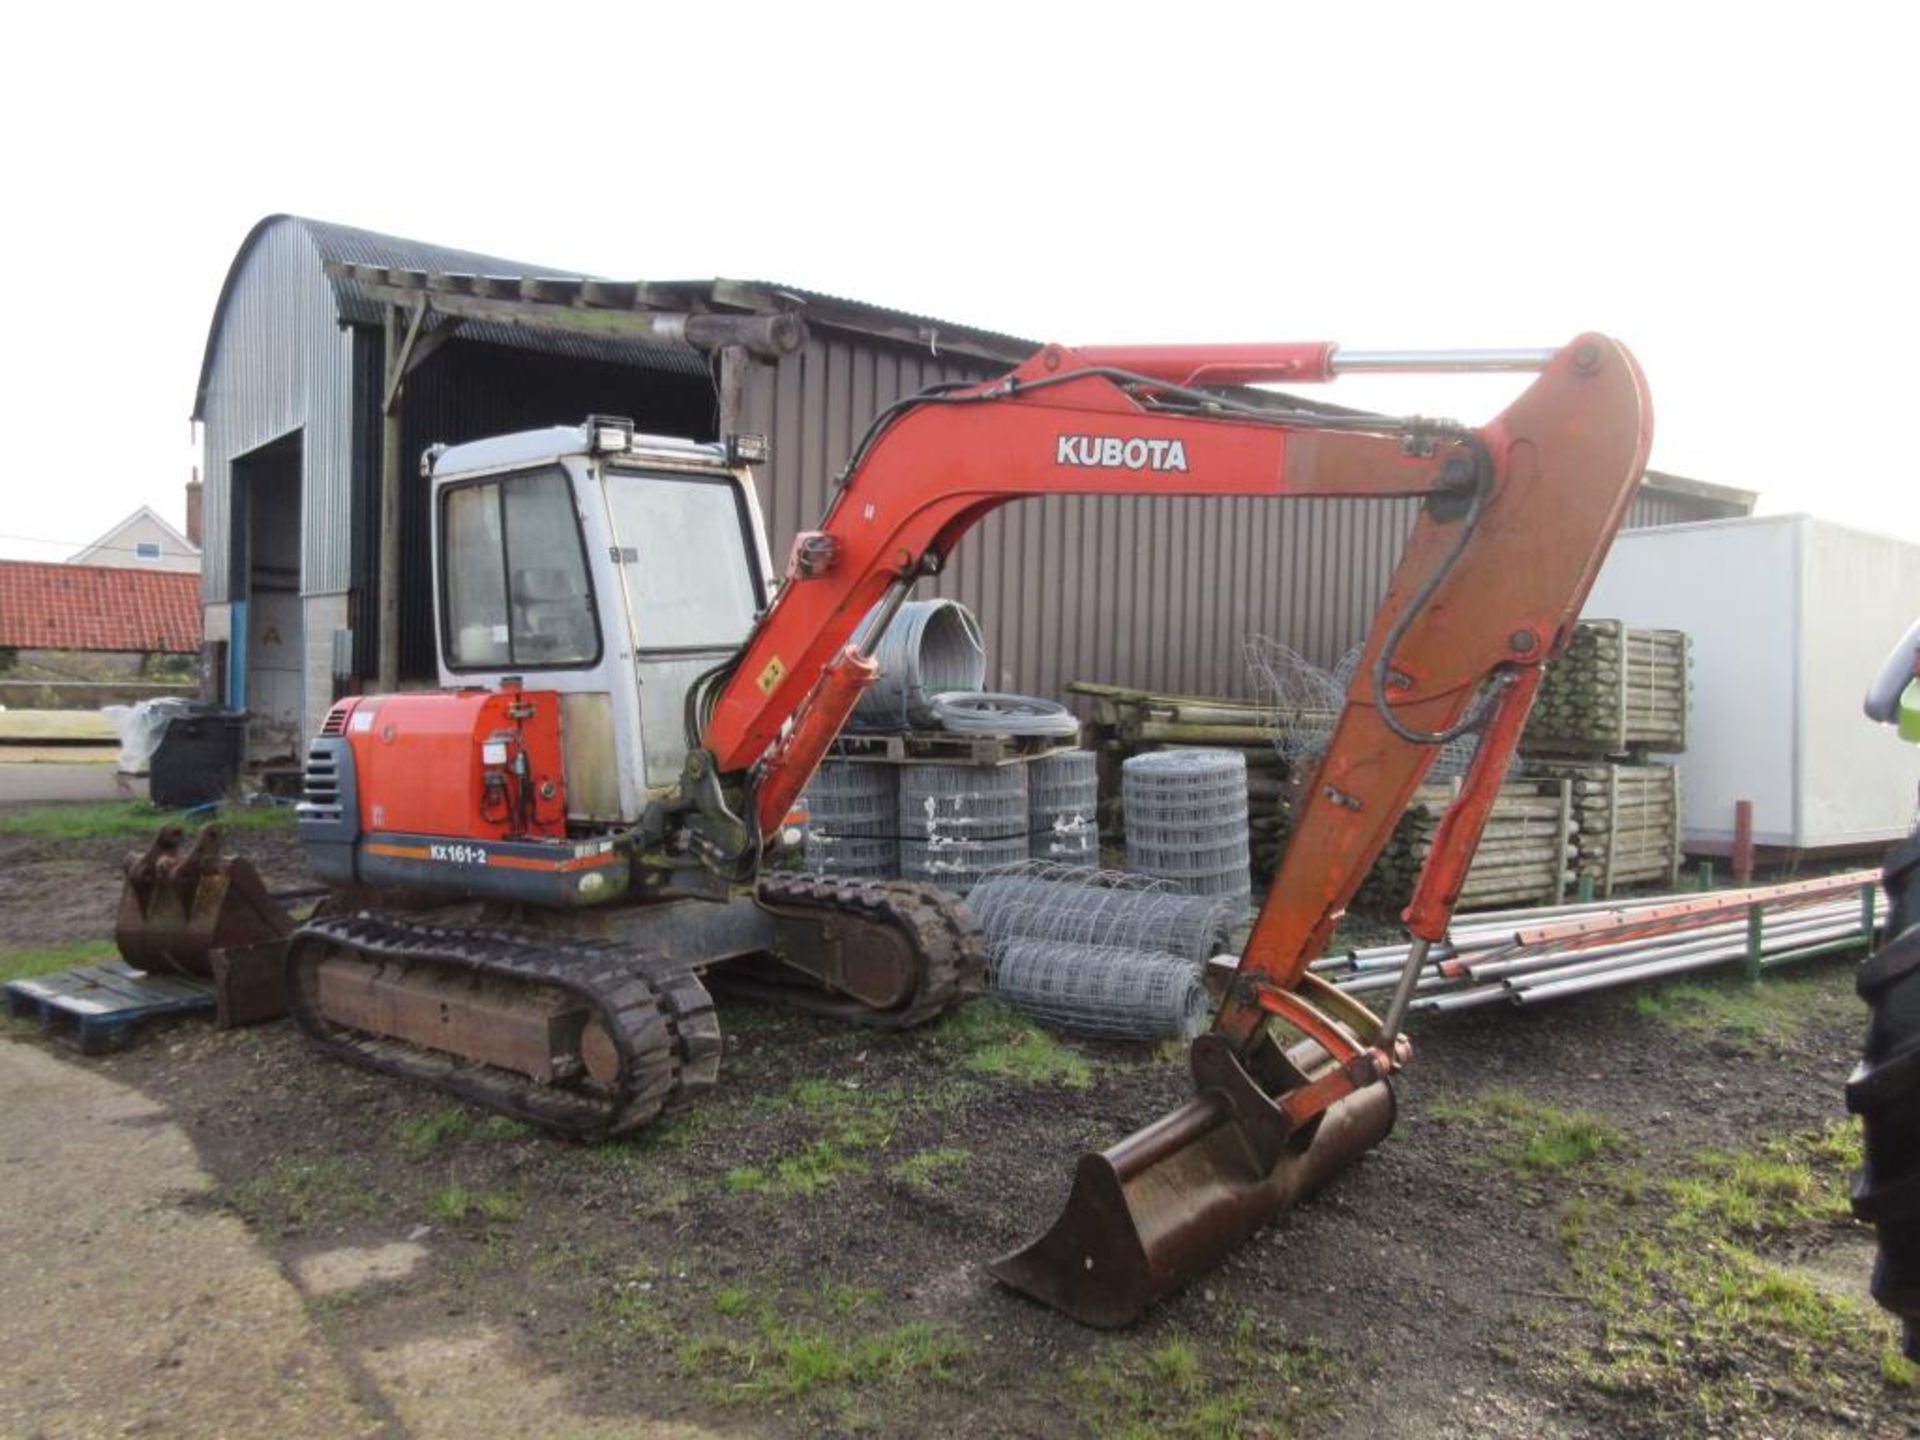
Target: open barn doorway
[(266, 663)]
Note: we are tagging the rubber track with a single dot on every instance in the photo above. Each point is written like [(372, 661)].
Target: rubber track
[(948, 944), (659, 1016), (1885, 1092)]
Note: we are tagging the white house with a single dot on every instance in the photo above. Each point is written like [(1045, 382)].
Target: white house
[(142, 541)]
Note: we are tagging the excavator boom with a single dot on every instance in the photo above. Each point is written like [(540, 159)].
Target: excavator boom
[(1517, 516)]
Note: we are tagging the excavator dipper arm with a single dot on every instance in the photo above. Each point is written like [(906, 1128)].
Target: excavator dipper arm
[(1517, 518)]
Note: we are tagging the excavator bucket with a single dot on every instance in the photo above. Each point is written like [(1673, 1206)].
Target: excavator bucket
[(182, 902), (1170, 1201)]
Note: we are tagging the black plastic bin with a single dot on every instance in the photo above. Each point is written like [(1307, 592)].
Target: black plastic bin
[(198, 758)]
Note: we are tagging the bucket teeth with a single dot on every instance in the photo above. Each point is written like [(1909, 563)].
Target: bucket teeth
[(181, 902)]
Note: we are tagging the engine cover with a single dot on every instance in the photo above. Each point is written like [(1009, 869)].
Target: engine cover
[(464, 764), (458, 792)]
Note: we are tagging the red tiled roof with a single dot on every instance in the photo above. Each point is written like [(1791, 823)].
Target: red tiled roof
[(97, 607)]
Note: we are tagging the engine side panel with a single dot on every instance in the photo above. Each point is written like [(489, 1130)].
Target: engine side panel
[(518, 872), (463, 764)]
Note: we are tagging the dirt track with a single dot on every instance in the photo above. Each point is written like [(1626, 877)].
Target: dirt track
[(1546, 1246)]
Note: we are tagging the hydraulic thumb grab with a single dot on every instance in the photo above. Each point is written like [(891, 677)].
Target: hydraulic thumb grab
[(1293, 1082)]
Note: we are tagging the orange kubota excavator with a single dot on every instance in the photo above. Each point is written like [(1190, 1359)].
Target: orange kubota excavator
[(534, 868)]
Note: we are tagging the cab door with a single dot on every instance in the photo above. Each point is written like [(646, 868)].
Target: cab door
[(689, 562), (526, 591)]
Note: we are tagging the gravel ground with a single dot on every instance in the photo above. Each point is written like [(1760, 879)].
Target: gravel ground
[(1575, 1210)]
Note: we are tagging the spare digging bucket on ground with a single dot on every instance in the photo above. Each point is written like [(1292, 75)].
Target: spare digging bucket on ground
[(1168, 1203), (182, 902)]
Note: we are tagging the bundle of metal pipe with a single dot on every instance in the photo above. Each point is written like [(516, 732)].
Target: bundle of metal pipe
[(1528, 957), (1615, 691)]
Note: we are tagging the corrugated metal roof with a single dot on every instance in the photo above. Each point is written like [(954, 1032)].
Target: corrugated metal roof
[(345, 244), (861, 317)]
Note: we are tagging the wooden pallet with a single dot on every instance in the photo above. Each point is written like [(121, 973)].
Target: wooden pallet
[(97, 1008), (943, 747)]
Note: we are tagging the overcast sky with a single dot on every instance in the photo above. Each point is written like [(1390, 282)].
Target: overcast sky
[(1729, 189)]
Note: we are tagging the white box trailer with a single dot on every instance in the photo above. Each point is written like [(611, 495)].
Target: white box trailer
[(1791, 618)]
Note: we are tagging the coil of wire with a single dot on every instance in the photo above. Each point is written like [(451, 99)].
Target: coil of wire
[(932, 646), (990, 713)]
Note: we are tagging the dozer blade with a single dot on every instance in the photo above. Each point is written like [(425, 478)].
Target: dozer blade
[(1169, 1202), (181, 902)]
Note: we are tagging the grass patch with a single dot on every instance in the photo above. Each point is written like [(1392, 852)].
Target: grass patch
[(25, 964), (857, 1122), (1692, 1306), (993, 1040), (1773, 1012), (456, 1202), (498, 1128), (1252, 1386), (922, 1173), (107, 819), (1782, 1185), (298, 1194), (1539, 1139), (821, 1165), (821, 1347), (1036, 1058), (628, 1310), (420, 1135)]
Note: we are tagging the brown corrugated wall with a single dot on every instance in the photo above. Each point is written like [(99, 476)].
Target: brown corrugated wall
[(1158, 593)]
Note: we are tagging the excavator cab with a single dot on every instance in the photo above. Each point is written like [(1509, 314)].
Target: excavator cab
[(609, 568)]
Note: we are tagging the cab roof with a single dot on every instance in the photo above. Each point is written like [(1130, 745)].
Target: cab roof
[(556, 442)]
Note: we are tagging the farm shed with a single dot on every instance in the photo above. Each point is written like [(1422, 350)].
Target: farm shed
[(296, 410)]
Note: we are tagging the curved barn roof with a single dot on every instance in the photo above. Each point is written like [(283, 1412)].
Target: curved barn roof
[(345, 245), (342, 245)]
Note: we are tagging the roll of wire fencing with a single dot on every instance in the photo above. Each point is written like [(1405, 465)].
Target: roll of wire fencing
[(932, 647), (956, 822), (1063, 808), (1305, 703), (1187, 821), (1096, 952), (1101, 991), (1083, 906), (853, 820), (993, 713)]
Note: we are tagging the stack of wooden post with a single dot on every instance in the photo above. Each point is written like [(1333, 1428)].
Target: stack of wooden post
[(1526, 854), (1531, 823), (1626, 818), (1615, 692), (1131, 722), (1617, 697)]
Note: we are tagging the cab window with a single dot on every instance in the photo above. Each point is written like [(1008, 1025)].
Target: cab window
[(515, 588), (693, 584)]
